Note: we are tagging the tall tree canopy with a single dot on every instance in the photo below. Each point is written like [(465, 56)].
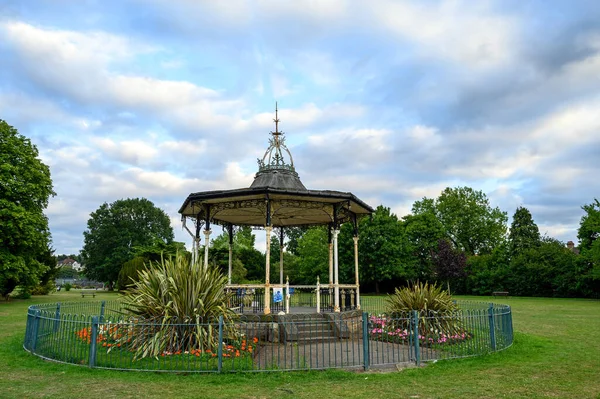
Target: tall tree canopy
[(116, 230), (589, 242), (449, 263), (469, 221), (384, 253), (313, 257), (25, 188), (423, 233), (524, 233)]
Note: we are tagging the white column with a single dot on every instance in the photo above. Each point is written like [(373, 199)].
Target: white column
[(330, 272), (330, 263), (268, 272), (356, 272), (318, 295), (336, 304), (207, 238), (280, 263)]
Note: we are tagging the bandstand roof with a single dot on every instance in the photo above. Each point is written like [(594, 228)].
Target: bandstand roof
[(277, 191)]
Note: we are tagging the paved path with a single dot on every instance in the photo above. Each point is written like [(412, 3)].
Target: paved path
[(330, 354)]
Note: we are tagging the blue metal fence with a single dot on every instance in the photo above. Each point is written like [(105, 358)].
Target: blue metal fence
[(100, 334)]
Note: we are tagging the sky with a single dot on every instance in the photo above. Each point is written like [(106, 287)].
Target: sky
[(389, 100)]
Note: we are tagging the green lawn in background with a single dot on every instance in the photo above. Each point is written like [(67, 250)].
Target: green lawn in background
[(556, 354)]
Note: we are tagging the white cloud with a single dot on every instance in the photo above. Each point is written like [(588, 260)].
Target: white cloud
[(466, 33), (130, 151)]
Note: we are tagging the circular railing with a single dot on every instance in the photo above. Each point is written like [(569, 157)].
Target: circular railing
[(103, 335)]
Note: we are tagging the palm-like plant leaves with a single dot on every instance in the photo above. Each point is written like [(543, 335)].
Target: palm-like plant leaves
[(175, 305), (437, 310)]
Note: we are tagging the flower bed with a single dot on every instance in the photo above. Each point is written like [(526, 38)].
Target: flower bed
[(384, 328), (116, 335)]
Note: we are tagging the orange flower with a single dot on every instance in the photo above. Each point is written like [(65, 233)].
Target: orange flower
[(255, 340)]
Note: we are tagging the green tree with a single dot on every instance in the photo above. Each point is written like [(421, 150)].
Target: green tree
[(384, 252), (145, 255), (545, 270), (25, 188), (589, 227), (293, 235), (313, 257), (248, 262), (115, 230), (469, 221), (524, 233), (589, 245), (67, 272), (423, 233), (490, 272), (46, 280)]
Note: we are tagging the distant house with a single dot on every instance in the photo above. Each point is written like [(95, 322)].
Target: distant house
[(70, 262), (572, 248)]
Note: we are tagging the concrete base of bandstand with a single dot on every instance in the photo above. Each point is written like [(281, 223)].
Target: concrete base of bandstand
[(346, 353)]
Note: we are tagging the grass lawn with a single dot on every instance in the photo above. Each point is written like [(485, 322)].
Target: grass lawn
[(556, 354)]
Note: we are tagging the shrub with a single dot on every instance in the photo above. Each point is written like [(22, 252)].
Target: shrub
[(173, 303), (129, 272), (437, 309), (43, 289), (68, 286), (21, 293)]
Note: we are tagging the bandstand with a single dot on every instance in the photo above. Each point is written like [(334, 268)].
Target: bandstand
[(277, 200)]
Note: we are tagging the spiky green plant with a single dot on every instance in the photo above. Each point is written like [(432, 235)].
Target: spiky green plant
[(437, 310), (174, 306)]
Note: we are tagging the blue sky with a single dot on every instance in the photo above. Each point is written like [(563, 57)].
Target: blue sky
[(391, 100)]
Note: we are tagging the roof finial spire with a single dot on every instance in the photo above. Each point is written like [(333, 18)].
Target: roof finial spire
[(276, 133)]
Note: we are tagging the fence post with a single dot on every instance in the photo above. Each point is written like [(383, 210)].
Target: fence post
[(415, 317), (492, 326), (365, 328), (220, 350), (57, 317), (36, 325), (102, 311), (93, 343)]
